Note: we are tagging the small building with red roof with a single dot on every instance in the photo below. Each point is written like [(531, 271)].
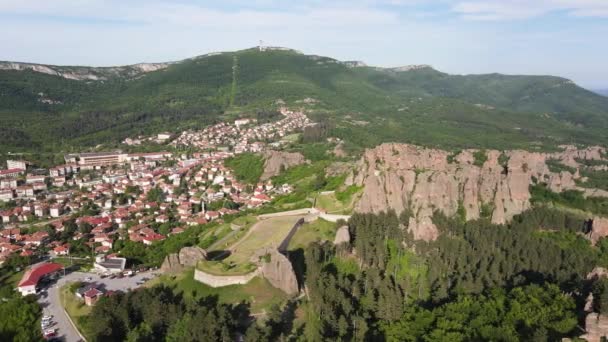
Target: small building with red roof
[(91, 296)]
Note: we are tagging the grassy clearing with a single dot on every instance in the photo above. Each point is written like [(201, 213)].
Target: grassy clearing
[(266, 233), (262, 234), (258, 292), (318, 230)]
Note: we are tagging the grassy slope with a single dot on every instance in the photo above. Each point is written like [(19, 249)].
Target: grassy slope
[(318, 230), (258, 292)]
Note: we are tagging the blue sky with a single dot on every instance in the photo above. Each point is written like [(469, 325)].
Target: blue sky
[(567, 38)]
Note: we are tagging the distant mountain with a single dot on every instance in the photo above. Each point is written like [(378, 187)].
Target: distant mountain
[(55, 108), (603, 92)]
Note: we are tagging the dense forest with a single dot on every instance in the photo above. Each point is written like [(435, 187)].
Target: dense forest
[(478, 281)]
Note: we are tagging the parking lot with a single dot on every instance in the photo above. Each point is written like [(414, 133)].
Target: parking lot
[(51, 304)]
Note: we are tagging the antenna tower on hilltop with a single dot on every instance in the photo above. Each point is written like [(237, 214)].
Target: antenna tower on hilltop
[(261, 46)]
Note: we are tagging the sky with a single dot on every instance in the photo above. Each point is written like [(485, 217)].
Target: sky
[(567, 38)]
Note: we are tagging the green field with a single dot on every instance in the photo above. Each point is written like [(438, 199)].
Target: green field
[(258, 292), (318, 230), (223, 235), (332, 205), (265, 233)]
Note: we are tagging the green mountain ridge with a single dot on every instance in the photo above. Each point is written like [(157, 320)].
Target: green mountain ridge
[(368, 105)]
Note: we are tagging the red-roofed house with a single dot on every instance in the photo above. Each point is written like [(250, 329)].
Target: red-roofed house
[(30, 279), (61, 250), (92, 296), (149, 239)]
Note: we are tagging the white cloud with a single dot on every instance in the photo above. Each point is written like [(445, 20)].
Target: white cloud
[(525, 9)]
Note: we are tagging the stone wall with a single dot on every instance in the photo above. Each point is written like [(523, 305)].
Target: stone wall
[(333, 217), (304, 211), (219, 281)]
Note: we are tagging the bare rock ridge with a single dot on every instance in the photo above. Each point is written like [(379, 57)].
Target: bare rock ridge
[(187, 257), (275, 161), (422, 180), (82, 73)]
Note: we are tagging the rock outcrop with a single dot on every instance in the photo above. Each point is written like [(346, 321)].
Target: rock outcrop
[(342, 235), (277, 268), (190, 256), (597, 273), (422, 180), (87, 73), (276, 161), (187, 257), (171, 264), (599, 229), (596, 327)]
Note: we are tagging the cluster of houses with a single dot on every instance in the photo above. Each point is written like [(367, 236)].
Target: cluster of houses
[(160, 138), (244, 135), (111, 193)]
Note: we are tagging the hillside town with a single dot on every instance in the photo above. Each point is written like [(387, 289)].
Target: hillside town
[(97, 198), (244, 135)]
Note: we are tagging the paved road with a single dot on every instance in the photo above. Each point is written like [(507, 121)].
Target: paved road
[(51, 304)]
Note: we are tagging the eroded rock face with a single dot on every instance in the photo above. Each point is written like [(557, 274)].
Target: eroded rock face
[(599, 229), (401, 176), (279, 271), (87, 73), (597, 273), (596, 327), (187, 256), (277, 160), (171, 264), (342, 235), (190, 256)]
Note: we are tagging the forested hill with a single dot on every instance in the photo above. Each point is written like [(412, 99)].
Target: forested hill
[(58, 108)]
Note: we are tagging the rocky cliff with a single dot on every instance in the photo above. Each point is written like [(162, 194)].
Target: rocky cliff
[(87, 73), (277, 269), (187, 256), (275, 161), (422, 180)]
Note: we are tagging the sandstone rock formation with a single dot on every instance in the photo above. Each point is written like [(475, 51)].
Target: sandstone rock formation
[(596, 327), (401, 176), (277, 268), (187, 256), (342, 235), (277, 160), (597, 272), (171, 264), (190, 256), (599, 229), (338, 151)]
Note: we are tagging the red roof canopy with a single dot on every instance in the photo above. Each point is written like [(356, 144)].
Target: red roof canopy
[(33, 275)]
